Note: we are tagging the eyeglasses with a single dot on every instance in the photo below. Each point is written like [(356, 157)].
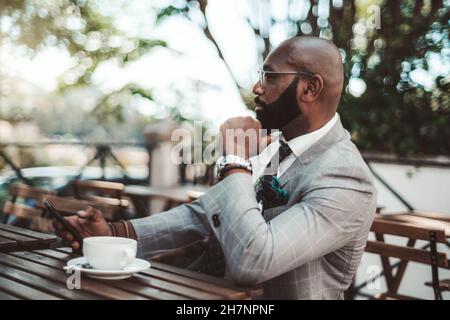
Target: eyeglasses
[(264, 74)]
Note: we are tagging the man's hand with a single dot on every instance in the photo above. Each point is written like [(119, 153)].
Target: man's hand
[(89, 223), (242, 136)]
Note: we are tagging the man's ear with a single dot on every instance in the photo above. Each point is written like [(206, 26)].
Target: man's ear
[(311, 89)]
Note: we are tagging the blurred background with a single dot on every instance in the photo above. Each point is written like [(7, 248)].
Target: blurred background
[(78, 75)]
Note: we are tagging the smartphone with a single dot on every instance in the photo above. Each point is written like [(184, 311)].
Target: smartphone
[(64, 222)]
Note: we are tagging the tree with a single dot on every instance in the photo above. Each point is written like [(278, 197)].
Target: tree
[(90, 37), (391, 112)]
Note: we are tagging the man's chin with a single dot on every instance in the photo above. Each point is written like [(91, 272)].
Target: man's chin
[(262, 119)]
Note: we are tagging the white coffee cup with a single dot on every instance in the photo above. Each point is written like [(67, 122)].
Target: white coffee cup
[(109, 253)]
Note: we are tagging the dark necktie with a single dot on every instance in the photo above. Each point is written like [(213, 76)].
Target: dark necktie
[(268, 188), (283, 152)]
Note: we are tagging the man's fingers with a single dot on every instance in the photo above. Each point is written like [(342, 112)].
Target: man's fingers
[(58, 226), (65, 235), (75, 245), (90, 213), (86, 213)]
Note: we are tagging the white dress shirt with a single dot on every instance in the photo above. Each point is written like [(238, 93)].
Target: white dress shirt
[(298, 145)]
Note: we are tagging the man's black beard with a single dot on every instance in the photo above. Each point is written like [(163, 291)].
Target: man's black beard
[(279, 113)]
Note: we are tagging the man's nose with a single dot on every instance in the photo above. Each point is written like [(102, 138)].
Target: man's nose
[(258, 89)]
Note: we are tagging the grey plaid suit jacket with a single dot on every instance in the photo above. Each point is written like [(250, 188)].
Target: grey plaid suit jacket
[(309, 248)]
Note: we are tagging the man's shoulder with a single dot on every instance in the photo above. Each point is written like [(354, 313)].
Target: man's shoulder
[(343, 159)]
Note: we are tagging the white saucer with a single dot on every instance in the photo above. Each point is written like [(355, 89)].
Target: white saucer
[(136, 266)]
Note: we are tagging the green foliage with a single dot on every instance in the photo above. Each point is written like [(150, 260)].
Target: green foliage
[(89, 36), (170, 11), (395, 114), (110, 108)]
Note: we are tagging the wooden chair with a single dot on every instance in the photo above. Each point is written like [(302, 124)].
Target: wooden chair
[(17, 206), (110, 193), (83, 188), (37, 221), (413, 228)]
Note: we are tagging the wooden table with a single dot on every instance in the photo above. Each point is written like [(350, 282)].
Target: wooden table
[(140, 195), (16, 239), (39, 275)]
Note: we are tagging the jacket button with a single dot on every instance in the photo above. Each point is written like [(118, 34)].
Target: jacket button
[(215, 220)]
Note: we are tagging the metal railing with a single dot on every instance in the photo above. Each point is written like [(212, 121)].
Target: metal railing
[(103, 152)]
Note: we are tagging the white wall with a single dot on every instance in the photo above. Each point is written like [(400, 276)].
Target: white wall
[(424, 188)]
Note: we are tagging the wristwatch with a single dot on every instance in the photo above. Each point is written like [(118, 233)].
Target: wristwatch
[(228, 162)]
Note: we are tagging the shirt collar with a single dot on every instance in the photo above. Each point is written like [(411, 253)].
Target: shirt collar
[(298, 145), (301, 143)]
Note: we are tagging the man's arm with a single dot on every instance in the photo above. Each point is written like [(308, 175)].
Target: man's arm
[(255, 250), (178, 227)]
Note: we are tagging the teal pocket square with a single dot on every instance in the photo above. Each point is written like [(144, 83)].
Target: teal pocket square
[(270, 192)]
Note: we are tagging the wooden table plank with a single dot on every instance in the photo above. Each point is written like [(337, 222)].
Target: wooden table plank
[(58, 265), (420, 222), (15, 238), (225, 288), (164, 278), (55, 253), (251, 291), (7, 296), (151, 292), (90, 285), (24, 291), (424, 214), (42, 284), (175, 290), (224, 292), (21, 240), (7, 243), (204, 278), (43, 237)]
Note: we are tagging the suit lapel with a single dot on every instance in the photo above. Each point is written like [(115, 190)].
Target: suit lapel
[(336, 133)]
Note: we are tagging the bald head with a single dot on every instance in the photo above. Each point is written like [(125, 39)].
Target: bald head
[(317, 56)]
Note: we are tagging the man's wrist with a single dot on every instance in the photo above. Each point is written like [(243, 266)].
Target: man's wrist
[(231, 162), (233, 171), (121, 229)]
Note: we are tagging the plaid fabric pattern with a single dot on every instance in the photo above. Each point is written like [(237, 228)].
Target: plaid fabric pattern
[(213, 261), (308, 248)]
